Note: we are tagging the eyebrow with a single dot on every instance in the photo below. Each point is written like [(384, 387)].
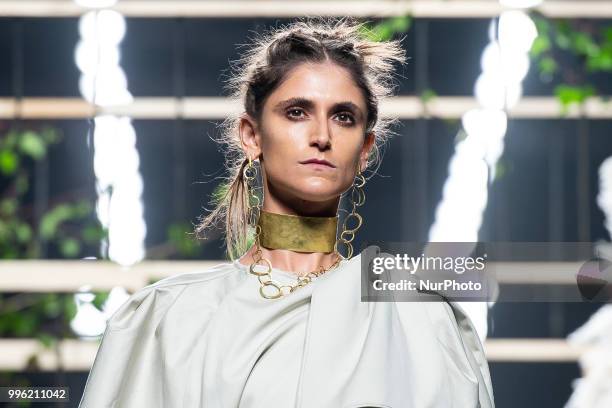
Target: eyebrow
[(308, 104)]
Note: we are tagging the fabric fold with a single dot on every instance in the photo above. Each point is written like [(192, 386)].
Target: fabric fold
[(208, 340)]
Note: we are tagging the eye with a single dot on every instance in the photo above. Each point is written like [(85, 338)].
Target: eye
[(295, 113), (346, 118)]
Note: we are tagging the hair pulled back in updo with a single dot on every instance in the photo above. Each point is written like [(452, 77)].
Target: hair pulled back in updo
[(264, 66)]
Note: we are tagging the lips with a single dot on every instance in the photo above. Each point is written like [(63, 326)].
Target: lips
[(318, 161)]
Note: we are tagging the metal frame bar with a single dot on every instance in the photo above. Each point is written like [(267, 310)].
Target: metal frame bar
[(79, 355), (402, 107), (72, 276)]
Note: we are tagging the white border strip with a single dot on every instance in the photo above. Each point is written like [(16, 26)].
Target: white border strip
[(282, 8)]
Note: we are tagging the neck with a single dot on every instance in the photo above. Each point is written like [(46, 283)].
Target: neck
[(289, 260), (295, 243), (298, 263), (297, 233), (281, 203)]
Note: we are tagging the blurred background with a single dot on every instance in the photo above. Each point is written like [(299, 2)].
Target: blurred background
[(108, 110)]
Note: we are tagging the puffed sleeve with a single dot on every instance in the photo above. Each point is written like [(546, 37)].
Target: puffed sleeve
[(126, 370), (474, 350)]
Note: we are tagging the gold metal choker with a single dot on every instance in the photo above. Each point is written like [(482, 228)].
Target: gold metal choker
[(297, 233)]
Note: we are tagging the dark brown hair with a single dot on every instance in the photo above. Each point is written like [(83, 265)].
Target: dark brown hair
[(265, 65)]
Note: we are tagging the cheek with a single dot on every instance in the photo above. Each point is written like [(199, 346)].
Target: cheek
[(350, 151), (281, 149), (284, 145), (278, 135)]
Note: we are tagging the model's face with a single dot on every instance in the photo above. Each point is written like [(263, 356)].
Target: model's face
[(317, 114)]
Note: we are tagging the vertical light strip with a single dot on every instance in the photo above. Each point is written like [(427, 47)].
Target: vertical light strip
[(116, 160), (505, 63), (594, 389), (604, 198)]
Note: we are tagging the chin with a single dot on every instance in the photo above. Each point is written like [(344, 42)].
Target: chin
[(318, 192)]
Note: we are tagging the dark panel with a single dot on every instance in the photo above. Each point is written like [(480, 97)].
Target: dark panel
[(146, 56), (600, 149), (6, 57), (522, 183), (203, 162), (455, 50), (533, 319), (49, 66), (531, 385)]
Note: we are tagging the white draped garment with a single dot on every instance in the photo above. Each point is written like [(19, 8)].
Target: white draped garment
[(209, 340)]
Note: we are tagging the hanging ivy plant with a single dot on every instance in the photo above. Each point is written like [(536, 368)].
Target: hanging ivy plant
[(66, 226), (573, 50)]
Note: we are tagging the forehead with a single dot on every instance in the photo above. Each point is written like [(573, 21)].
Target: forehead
[(320, 82)]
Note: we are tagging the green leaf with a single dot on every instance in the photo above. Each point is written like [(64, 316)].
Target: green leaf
[(100, 299), (21, 183), (547, 66), (83, 209), (23, 233), (8, 206), (563, 41), (540, 45), (563, 34), (601, 62), (542, 24), (32, 145), (50, 135), (51, 305), (501, 169), (427, 95), (568, 95), (93, 233), (583, 44), (53, 218), (26, 324), (383, 32), (47, 340), (5, 232), (70, 247), (8, 162), (9, 253), (70, 308), (9, 141), (606, 33), (179, 237), (365, 31), (401, 24), (386, 29)]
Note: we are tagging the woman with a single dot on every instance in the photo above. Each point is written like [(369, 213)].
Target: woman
[(283, 324)]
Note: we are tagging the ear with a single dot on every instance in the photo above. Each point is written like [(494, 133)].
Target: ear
[(368, 144), (249, 136)]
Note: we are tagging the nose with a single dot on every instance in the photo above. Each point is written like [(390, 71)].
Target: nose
[(321, 137)]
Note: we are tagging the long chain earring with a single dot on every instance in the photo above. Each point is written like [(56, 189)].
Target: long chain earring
[(253, 203), (357, 199)]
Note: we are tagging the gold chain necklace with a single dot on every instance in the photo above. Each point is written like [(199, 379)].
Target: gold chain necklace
[(271, 289)]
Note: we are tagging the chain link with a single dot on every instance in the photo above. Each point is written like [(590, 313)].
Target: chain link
[(272, 289)]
